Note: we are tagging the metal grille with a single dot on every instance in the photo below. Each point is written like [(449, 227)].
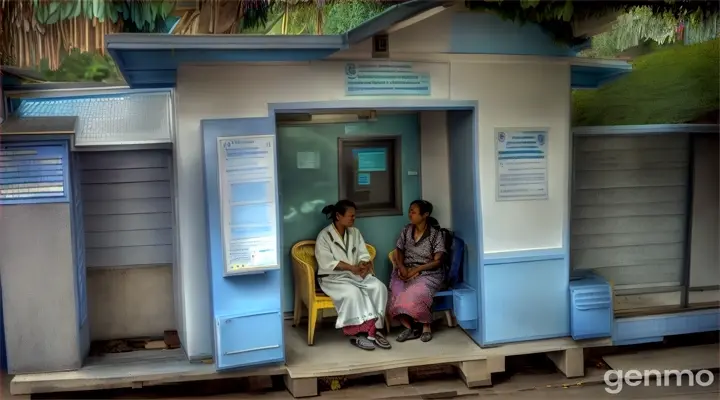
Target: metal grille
[(124, 119)]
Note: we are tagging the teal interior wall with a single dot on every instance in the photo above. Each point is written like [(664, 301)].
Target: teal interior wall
[(305, 191)]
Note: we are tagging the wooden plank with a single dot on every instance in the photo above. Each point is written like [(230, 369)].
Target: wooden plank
[(625, 256), (630, 179), (691, 358), (672, 223), (629, 195), (703, 296), (110, 372), (146, 237), (634, 142), (631, 159), (129, 206), (630, 210), (332, 355), (125, 175), (118, 191), (595, 241), (647, 301), (124, 159), (665, 271), (128, 222), (132, 255)]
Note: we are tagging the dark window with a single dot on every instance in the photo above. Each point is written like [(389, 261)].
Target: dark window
[(369, 174)]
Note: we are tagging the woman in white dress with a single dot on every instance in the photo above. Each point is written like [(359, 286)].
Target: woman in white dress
[(344, 267)]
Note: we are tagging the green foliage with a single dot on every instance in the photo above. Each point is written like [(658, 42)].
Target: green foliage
[(83, 67), (343, 16), (643, 31), (634, 28), (338, 16), (675, 85), (143, 15), (556, 16)]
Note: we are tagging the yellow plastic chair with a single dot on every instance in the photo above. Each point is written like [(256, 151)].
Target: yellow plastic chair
[(306, 291)]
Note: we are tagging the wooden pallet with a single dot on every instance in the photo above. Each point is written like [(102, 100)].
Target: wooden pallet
[(136, 370), (332, 356)]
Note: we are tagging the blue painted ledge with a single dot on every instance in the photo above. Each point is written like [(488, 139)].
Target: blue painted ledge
[(512, 257), (653, 328)]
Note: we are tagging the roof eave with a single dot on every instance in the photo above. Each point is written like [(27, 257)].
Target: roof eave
[(390, 17), (145, 41)]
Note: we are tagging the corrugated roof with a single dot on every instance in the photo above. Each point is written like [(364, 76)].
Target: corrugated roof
[(132, 118)]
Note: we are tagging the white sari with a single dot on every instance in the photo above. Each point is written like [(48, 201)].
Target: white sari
[(356, 299)]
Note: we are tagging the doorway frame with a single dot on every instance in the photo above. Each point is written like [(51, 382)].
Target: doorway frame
[(415, 105)]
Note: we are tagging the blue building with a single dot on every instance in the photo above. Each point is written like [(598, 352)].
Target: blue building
[(152, 204)]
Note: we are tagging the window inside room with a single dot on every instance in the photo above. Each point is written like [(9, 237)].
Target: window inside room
[(369, 174)]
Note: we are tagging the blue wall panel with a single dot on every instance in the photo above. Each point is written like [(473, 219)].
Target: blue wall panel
[(653, 328), (465, 199), (485, 33), (246, 309), (525, 297)]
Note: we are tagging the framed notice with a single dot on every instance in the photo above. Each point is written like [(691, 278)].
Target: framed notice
[(248, 203), (521, 164)]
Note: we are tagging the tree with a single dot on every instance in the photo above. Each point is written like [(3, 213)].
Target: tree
[(642, 31), (335, 17), (563, 19), (33, 30), (78, 66)]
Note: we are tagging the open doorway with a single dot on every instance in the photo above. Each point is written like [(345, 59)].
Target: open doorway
[(414, 146), (128, 236)]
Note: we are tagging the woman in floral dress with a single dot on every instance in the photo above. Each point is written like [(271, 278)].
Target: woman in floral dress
[(418, 272)]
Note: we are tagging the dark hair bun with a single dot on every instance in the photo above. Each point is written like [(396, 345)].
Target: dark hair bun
[(329, 209)]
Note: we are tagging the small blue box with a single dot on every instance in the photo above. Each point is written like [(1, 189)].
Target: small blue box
[(591, 307), (465, 307)]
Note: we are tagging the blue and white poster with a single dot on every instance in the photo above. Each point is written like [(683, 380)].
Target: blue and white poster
[(248, 208), (521, 170), (385, 78)]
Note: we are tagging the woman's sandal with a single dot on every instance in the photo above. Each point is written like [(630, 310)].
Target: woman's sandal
[(381, 342), (426, 336), (362, 343), (408, 334)]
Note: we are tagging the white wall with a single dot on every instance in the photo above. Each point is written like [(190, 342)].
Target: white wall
[(520, 95), (434, 166), (237, 91), (515, 94)]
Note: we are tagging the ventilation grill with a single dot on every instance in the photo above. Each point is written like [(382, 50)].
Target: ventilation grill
[(32, 173)]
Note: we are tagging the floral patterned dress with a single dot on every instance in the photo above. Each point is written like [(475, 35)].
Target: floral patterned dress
[(414, 298)]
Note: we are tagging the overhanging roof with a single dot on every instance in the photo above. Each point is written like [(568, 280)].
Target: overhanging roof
[(152, 60), (390, 17), (589, 73)]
